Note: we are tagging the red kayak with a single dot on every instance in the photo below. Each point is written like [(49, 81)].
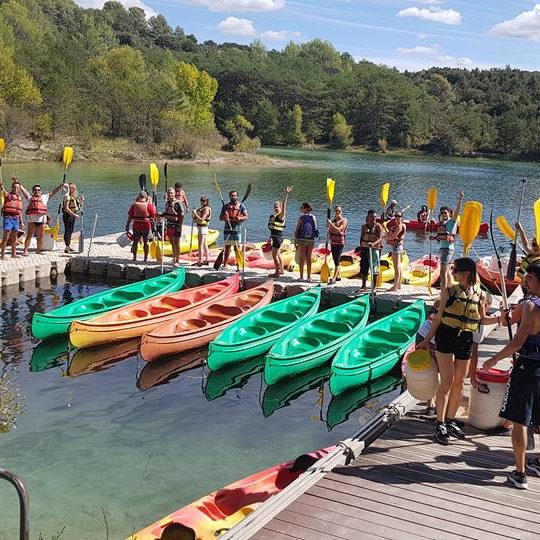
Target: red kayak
[(488, 272), (212, 515), (415, 225)]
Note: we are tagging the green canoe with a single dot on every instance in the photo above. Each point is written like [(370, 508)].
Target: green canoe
[(235, 376), (49, 354), (377, 349), (313, 342), (57, 321), (343, 405), (255, 333), (283, 392)]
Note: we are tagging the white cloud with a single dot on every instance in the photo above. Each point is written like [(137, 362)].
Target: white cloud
[(454, 61), (98, 4), (525, 26), (280, 35), (419, 50), (433, 14), (429, 2), (239, 5), (239, 27), (422, 36)]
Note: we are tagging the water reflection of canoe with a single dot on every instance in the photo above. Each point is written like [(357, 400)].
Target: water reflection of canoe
[(215, 513), (49, 354), (343, 405), (101, 358), (280, 394), (162, 371), (235, 376)]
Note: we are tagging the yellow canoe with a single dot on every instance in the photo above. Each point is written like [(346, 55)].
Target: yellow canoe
[(185, 242), (387, 271)]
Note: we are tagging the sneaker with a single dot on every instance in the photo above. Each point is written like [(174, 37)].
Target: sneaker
[(533, 467), (441, 435), (454, 429), (518, 480)]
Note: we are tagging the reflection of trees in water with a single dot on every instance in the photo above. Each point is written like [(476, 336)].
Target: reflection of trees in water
[(11, 403)]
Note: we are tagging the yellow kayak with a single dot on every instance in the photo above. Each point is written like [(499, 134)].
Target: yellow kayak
[(387, 271), (185, 242)]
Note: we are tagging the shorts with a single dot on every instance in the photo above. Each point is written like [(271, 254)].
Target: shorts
[(450, 340), (276, 239), (174, 232), (364, 261), (202, 229), (137, 235), (231, 237), (522, 400), (305, 241), (396, 249), (11, 223), (446, 255), (337, 250)]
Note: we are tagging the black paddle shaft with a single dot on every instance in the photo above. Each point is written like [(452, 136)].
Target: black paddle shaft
[(511, 273)]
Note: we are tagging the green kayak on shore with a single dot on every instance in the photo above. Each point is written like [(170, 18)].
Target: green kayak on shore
[(255, 333), (57, 321), (376, 349), (313, 342)]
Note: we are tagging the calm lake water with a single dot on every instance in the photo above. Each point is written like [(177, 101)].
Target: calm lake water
[(105, 453), (110, 188)]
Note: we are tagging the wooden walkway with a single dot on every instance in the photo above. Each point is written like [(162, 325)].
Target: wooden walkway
[(406, 486)]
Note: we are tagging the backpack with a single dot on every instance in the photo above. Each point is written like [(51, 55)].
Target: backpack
[(307, 228)]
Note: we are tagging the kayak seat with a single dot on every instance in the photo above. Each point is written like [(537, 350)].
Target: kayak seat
[(190, 325), (382, 337), (227, 311), (92, 306), (158, 310), (331, 327), (128, 295), (175, 303), (133, 314), (305, 343)]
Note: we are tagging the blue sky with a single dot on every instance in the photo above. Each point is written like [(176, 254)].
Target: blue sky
[(407, 34)]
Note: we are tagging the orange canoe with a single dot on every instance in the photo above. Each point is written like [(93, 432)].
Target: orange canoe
[(134, 320), (489, 275), (215, 513), (200, 325)]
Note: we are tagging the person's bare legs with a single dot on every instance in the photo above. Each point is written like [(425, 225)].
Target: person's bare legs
[(519, 445), (39, 237), (445, 362), (275, 257), (5, 239), (396, 261), (461, 369), (309, 251), (226, 255), (13, 241), (29, 234), (205, 249)]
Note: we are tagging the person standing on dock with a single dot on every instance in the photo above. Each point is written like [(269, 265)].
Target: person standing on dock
[(181, 197), (532, 252), (37, 215), (395, 240), (233, 214), (174, 217), (12, 215), (337, 230), (71, 207), (371, 239), (304, 239), (141, 212), (521, 404), (202, 218), (276, 226), (446, 235), (460, 314)]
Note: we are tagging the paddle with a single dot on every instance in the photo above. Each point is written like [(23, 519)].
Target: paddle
[(81, 234), (501, 274), (92, 238), (2, 150), (166, 170), (511, 272), (470, 224), (385, 191), (155, 249), (505, 227), (142, 182), (536, 208), (330, 188), (67, 158), (431, 204)]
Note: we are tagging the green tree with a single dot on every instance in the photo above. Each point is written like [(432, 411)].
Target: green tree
[(341, 134), (292, 127), (237, 130)]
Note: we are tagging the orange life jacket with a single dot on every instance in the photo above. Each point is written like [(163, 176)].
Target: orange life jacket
[(140, 212), (443, 234), (36, 206), (336, 237), (397, 240), (12, 205)]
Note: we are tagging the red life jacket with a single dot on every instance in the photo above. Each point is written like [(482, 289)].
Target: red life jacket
[(397, 240), (12, 205), (171, 214), (36, 206), (337, 237), (141, 213), (443, 234)]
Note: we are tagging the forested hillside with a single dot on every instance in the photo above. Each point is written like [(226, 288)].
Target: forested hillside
[(87, 74)]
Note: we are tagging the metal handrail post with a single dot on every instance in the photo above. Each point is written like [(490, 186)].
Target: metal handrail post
[(22, 492)]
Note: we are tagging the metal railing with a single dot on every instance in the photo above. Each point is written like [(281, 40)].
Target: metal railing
[(22, 492)]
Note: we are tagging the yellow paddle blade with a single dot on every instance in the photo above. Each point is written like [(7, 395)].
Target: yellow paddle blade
[(239, 256), (385, 191), (325, 272), (68, 156), (432, 198), (505, 227), (536, 208), (56, 230), (470, 224), (2, 145), (154, 175), (158, 254), (330, 187)]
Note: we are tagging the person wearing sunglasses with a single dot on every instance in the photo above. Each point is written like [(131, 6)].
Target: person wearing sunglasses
[(37, 214), (460, 314)]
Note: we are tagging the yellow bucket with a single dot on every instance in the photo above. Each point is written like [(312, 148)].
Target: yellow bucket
[(419, 360)]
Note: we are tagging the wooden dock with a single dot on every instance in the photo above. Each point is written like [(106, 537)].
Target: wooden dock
[(403, 485)]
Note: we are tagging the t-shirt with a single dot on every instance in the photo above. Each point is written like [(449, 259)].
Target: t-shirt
[(450, 228), (33, 218)]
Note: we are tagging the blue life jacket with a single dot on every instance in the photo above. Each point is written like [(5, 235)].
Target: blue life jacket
[(308, 230)]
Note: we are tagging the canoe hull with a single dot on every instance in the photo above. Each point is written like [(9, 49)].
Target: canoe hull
[(57, 322), (492, 279)]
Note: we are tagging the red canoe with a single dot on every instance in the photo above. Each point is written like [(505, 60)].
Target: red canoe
[(490, 277), (212, 515), (415, 225)]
